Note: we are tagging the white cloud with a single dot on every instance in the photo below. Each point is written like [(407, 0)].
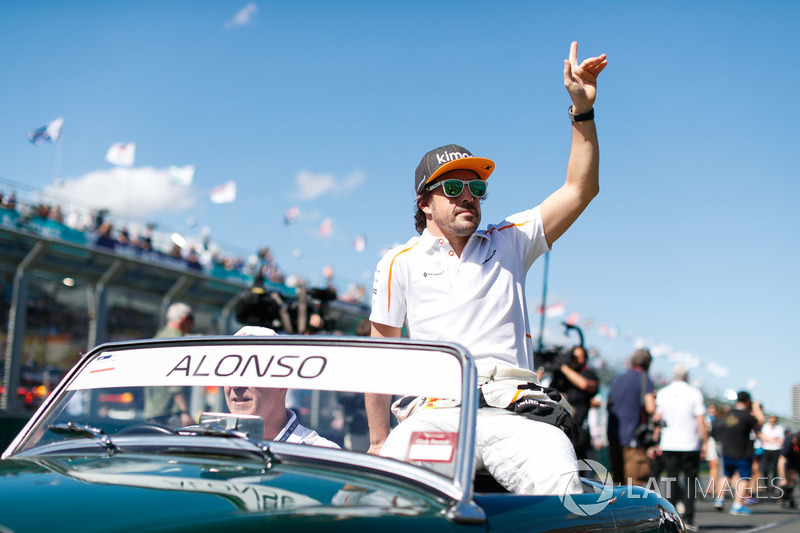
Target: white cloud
[(243, 17), (353, 180), (309, 186), (133, 191)]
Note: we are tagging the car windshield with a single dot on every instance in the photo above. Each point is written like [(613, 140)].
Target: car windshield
[(305, 393)]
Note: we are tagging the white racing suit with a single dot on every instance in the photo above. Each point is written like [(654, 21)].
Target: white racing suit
[(525, 456)]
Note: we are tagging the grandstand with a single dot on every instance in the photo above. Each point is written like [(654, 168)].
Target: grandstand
[(63, 291)]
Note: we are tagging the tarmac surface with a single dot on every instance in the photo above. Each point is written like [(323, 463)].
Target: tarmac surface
[(768, 515)]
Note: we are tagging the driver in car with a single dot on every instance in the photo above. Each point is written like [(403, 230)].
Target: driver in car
[(280, 423), (457, 283)]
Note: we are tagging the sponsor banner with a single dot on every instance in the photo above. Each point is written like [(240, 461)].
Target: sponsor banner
[(56, 230), (335, 368)]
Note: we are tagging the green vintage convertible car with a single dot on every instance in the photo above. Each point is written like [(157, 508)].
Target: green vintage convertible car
[(98, 456)]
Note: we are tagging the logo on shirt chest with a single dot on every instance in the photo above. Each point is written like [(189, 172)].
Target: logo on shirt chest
[(427, 274)]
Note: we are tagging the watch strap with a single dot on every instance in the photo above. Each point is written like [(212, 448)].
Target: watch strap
[(589, 115)]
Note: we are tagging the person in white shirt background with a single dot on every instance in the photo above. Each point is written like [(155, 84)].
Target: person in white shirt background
[(772, 436), (681, 408)]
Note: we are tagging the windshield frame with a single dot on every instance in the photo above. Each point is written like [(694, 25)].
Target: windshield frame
[(457, 487)]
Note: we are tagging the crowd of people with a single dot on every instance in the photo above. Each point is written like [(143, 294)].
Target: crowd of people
[(661, 438), (99, 228)]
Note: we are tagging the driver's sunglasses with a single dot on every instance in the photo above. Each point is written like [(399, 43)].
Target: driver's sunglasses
[(454, 188)]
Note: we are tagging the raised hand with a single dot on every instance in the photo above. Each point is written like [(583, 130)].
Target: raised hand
[(581, 80)]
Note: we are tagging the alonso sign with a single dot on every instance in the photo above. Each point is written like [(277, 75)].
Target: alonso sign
[(431, 373)]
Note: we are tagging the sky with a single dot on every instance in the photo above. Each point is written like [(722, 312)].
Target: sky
[(691, 247)]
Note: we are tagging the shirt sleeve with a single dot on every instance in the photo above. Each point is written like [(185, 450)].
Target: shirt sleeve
[(659, 403), (525, 232), (389, 290), (699, 405)]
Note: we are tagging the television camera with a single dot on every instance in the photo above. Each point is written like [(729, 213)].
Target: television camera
[(551, 358), (306, 312)]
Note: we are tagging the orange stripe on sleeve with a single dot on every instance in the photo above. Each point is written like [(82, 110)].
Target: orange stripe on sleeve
[(391, 267), (509, 226)]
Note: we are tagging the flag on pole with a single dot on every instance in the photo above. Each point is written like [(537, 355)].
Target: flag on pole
[(326, 228), (49, 132), (181, 175), (360, 243), (573, 319), (609, 332), (553, 311), (224, 194), (291, 215), (121, 154)]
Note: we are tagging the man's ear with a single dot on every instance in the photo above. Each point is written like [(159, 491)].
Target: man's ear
[(424, 204)]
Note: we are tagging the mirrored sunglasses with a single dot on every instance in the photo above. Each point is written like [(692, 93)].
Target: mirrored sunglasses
[(454, 188)]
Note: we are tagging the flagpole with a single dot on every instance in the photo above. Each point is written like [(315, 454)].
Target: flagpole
[(544, 302), (57, 169)]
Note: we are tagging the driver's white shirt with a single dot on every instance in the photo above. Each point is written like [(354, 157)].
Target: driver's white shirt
[(477, 300), (295, 433)]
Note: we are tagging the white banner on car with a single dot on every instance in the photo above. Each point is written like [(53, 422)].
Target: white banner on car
[(382, 370)]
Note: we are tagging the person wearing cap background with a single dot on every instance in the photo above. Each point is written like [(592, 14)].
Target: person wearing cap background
[(458, 283), (168, 405), (683, 438), (631, 401)]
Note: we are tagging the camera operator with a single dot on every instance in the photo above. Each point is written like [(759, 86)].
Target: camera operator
[(578, 384), (304, 314)]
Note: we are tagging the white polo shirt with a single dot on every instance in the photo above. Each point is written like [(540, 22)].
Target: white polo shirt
[(477, 300), (296, 433), (680, 404)]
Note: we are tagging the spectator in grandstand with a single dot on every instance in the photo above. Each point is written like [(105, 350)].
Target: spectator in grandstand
[(193, 260), (105, 236), (56, 215), (8, 201), (123, 237)]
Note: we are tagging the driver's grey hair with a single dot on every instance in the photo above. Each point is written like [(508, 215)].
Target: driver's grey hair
[(178, 311)]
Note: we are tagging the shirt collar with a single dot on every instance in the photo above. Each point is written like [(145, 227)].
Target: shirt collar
[(429, 241), (289, 427)]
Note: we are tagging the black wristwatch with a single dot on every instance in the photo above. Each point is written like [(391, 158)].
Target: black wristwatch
[(589, 115)]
